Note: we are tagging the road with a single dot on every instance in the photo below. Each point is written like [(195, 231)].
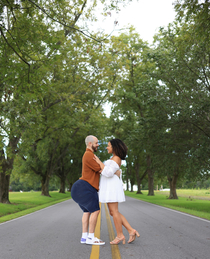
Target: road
[(55, 232)]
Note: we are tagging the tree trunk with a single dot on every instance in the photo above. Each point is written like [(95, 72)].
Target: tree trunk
[(139, 188), (150, 176), (172, 183), (150, 184), (137, 166), (4, 188), (6, 167), (131, 187), (127, 184), (62, 185), (45, 185), (127, 180), (48, 173)]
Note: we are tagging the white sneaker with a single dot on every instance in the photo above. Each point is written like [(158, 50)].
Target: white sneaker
[(83, 240), (94, 241)]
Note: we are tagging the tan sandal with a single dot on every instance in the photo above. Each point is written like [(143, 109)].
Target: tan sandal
[(117, 240), (133, 236)]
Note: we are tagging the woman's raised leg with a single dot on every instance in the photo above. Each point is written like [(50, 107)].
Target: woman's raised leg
[(132, 232)]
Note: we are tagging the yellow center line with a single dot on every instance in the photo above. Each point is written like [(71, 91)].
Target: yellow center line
[(96, 249), (114, 248)]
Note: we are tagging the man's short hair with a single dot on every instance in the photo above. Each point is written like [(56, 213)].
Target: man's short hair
[(88, 139)]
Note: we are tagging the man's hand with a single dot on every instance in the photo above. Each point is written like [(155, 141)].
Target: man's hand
[(118, 172)]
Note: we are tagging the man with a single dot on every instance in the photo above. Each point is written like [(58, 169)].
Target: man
[(85, 192)]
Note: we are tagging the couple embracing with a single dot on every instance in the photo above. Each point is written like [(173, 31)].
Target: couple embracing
[(101, 182)]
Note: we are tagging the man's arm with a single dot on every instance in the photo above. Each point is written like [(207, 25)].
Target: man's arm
[(92, 163)]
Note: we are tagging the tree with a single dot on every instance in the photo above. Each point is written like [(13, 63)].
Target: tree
[(34, 37), (135, 99), (182, 66)]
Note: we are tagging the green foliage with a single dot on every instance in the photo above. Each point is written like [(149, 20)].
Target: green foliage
[(55, 76), (53, 85), (182, 65)]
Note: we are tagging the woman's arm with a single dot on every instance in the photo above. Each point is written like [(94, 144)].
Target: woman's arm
[(107, 171), (99, 162)]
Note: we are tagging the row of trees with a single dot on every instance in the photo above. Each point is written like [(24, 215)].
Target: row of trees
[(55, 76), (162, 103), (53, 85)]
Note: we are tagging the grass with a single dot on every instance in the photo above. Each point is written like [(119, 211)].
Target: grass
[(203, 193), (188, 204), (28, 202), (194, 202)]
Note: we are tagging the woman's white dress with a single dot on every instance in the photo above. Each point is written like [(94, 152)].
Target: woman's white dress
[(111, 186)]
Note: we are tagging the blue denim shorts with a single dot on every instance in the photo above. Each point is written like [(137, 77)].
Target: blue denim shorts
[(85, 195)]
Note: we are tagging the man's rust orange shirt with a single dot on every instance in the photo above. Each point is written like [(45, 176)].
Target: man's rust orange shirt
[(90, 169)]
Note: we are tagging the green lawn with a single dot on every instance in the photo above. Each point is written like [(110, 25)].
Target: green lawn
[(193, 193), (194, 202), (188, 204), (28, 202)]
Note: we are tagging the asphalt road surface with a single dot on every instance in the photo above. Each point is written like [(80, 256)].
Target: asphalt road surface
[(55, 232)]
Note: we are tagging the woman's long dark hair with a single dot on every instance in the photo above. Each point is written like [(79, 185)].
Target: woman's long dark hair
[(119, 148)]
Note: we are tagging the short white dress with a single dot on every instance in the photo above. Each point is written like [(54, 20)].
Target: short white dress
[(111, 186)]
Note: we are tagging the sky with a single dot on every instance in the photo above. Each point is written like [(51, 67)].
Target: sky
[(145, 15)]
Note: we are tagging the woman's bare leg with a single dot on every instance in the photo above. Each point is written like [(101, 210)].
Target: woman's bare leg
[(126, 224), (113, 210)]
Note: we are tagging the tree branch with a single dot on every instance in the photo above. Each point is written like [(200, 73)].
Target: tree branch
[(15, 52), (69, 26)]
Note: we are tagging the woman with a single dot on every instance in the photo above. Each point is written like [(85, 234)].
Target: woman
[(111, 189)]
